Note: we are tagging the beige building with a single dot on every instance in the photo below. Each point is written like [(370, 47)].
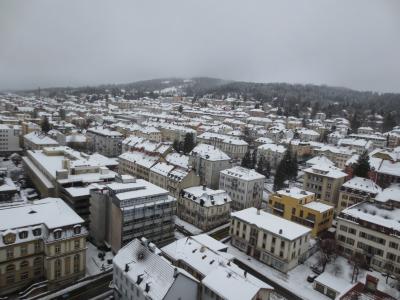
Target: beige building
[(104, 141), (37, 141), (207, 161), (338, 155), (275, 241), (372, 229), (234, 147), (272, 153), (356, 190), (137, 164), (325, 181), (41, 242), (244, 186), (203, 207)]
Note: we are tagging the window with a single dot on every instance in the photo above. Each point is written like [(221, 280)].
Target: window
[(293, 211), (273, 240), (10, 279), (352, 231), (10, 253), (23, 234), (57, 248), (77, 244), (76, 263), (37, 232), (57, 234), (24, 275), (24, 264), (10, 268), (343, 228), (393, 245), (24, 250), (57, 268), (37, 261), (37, 246), (391, 256), (77, 229), (67, 263)]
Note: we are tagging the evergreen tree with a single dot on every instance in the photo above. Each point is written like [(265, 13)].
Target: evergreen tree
[(247, 160), (61, 112), (260, 164), (388, 122), (188, 143), (176, 146), (180, 109), (280, 177), (254, 159), (361, 167), (267, 169), (355, 122), (45, 125), (294, 166)]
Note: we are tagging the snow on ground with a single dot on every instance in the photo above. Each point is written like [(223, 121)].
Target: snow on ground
[(226, 225), (178, 235), (187, 226), (94, 265), (297, 277)]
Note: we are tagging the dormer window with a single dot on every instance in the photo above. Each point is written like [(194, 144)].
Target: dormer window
[(57, 233), (37, 232), (23, 234), (77, 229)]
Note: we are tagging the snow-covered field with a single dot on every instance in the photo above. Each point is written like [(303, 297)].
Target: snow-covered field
[(296, 279)]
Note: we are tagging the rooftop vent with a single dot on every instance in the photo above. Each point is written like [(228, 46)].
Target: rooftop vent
[(280, 231), (139, 279), (126, 267), (147, 288), (32, 211)]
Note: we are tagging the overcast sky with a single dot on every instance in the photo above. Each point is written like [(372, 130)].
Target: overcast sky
[(78, 42)]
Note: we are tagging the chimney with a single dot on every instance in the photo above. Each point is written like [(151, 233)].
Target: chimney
[(204, 187), (280, 231), (126, 267), (139, 279), (176, 272), (147, 288), (371, 283)]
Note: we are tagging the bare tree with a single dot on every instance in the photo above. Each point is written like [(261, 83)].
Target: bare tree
[(358, 260), (388, 271), (328, 252)]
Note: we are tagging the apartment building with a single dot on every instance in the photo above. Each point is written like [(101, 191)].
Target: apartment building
[(140, 273), (173, 178), (206, 259), (207, 161), (43, 241), (356, 190), (232, 146), (272, 153), (137, 164), (136, 143), (373, 230), (338, 155), (273, 240), (244, 186), (300, 206), (203, 207), (358, 145), (135, 208), (9, 138), (104, 141), (38, 140), (325, 181), (68, 174)]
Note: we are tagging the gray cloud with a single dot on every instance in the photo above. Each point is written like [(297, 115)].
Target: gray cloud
[(78, 42)]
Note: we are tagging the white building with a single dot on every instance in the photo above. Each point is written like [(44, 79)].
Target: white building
[(220, 278), (43, 240), (140, 273), (373, 230), (203, 207), (234, 147), (9, 138), (208, 161), (38, 140), (244, 186), (273, 240), (273, 153), (105, 141)]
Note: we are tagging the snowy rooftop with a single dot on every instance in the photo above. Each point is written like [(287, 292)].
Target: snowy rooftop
[(272, 223), (133, 190), (272, 147), (320, 159), (334, 282), (104, 131), (40, 139), (154, 269), (318, 206), (140, 158), (294, 192), (363, 184), (224, 138), (371, 213), (209, 152), (53, 212), (242, 173), (177, 159), (326, 170), (209, 196), (162, 168), (391, 193)]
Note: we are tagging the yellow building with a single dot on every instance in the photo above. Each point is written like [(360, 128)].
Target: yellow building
[(300, 206)]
